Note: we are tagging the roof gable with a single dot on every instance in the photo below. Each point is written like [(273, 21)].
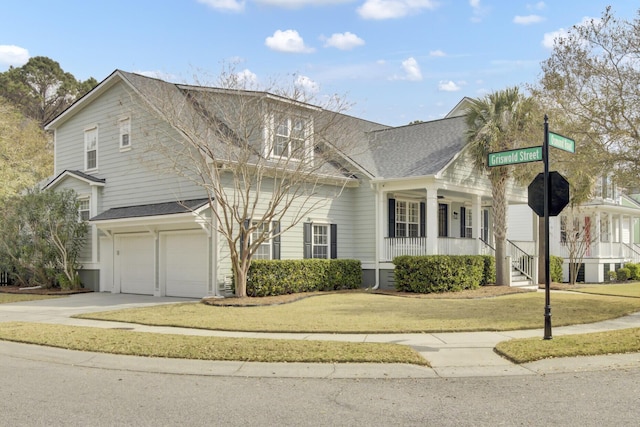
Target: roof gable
[(81, 176)]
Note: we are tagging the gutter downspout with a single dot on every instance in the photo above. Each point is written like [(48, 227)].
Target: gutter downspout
[(377, 234)]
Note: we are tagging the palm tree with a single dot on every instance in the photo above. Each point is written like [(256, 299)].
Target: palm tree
[(500, 121)]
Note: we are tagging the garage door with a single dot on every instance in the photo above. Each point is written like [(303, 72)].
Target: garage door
[(134, 263), (184, 266)]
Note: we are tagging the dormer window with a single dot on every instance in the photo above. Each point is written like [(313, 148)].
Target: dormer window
[(125, 133), (289, 138)]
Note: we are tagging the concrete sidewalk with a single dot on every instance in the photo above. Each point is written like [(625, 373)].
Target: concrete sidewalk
[(463, 354)]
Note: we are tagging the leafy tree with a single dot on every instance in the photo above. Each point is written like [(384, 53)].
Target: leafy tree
[(266, 159), (26, 155), (41, 89), (592, 80), (501, 121), (41, 237)]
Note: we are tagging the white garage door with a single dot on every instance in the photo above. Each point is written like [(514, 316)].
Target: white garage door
[(134, 263), (184, 263)]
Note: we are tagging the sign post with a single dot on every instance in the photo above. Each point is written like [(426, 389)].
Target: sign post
[(549, 207), (547, 274)]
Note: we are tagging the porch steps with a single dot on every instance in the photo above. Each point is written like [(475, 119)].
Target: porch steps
[(519, 280)]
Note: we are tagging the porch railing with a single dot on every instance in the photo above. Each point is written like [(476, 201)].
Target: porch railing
[(397, 246), (521, 260), (456, 246), (631, 252)]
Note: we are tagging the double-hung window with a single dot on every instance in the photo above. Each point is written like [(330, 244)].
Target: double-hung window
[(289, 138), (84, 210), (320, 241), (91, 148), (125, 133), (262, 231), (407, 219)]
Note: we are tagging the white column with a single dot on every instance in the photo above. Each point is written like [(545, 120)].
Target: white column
[(477, 221), (432, 220), (598, 236), (93, 211)]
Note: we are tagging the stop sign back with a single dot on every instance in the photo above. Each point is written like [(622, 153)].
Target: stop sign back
[(558, 194)]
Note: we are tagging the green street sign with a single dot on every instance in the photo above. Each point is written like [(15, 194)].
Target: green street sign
[(562, 142), (511, 157)]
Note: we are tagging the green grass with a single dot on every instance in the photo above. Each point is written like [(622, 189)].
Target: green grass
[(631, 289), (532, 349), (205, 348), (371, 313)]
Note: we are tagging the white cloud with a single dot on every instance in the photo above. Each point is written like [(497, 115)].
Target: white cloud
[(537, 6), (13, 55), (344, 41), (437, 53), (449, 86), (224, 5), (412, 69), (308, 85), (478, 10), (297, 4), (549, 38), (287, 41), (527, 20), (247, 78), (389, 9)]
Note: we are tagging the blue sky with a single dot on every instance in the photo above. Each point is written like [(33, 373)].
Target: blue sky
[(395, 61)]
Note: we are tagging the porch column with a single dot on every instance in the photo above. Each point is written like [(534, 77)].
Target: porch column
[(477, 222), (598, 237), (432, 220)]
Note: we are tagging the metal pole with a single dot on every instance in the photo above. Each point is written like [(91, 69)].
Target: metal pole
[(547, 274)]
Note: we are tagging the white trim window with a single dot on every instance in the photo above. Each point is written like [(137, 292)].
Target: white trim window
[(84, 209), (264, 251), (320, 241), (407, 219), (91, 148), (125, 133), (289, 137)]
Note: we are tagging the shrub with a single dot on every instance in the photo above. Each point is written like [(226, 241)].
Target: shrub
[(555, 268), (489, 272), (438, 273), (634, 270), (623, 274), (280, 277), (612, 276)]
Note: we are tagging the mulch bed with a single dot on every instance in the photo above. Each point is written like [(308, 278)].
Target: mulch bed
[(483, 292), (41, 291)]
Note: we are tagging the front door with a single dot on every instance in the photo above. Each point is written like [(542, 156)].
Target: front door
[(443, 220)]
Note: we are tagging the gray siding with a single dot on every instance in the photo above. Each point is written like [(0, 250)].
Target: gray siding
[(133, 176)]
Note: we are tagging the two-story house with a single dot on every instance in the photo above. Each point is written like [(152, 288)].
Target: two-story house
[(401, 190)]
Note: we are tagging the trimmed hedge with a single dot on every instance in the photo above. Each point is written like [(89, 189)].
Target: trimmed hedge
[(555, 268), (280, 277), (439, 273)]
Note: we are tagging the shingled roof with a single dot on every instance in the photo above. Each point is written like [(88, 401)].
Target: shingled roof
[(420, 149), (166, 208)]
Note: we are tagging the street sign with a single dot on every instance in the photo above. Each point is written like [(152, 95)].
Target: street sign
[(558, 194), (511, 157), (562, 142)]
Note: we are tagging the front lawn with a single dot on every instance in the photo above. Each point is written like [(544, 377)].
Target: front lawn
[(9, 298), (205, 348), (371, 313)]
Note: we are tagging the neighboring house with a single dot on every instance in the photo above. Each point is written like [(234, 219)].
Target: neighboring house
[(411, 190), (607, 228)]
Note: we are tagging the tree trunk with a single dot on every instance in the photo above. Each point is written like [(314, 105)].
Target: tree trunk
[(499, 178)]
